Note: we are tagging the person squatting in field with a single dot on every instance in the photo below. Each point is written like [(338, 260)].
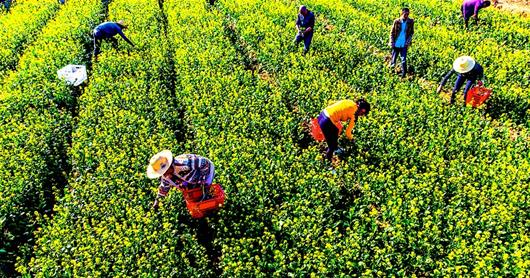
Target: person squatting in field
[(470, 9), (468, 70), (340, 111), (305, 24), (184, 171), (401, 38), (107, 31)]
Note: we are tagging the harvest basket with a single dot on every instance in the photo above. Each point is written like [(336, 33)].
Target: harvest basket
[(198, 207), (477, 95), (316, 132)]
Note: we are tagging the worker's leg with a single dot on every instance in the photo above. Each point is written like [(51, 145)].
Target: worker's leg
[(97, 44), (307, 41), (403, 56), (394, 57), (469, 83), (297, 39), (331, 134), (458, 84)]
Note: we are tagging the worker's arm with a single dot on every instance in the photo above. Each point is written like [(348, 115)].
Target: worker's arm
[(125, 38), (444, 80), (163, 190), (476, 9), (298, 23), (409, 39), (350, 127), (392, 39), (310, 25)]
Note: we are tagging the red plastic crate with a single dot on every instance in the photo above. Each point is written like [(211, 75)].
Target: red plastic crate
[(316, 132), (198, 208), (477, 95)]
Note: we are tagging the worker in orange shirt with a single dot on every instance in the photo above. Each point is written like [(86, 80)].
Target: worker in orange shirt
[(343, 110)]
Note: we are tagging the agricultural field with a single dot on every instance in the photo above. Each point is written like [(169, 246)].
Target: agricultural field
[(425, 188)]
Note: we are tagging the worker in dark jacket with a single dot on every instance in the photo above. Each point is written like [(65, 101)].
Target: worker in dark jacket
[(401, 38), (107, 31), (470, 9), (305, 24), (467, 71)]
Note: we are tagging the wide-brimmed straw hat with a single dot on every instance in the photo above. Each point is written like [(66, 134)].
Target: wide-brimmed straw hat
[(159, 164), (463, 64)]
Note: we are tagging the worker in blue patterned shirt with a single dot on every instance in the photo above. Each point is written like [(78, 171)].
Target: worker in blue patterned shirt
[(305, 24), (184, 171)]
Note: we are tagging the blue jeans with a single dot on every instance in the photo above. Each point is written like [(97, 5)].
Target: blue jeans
[(402, 51), (306, 38), (458, 85), (331, 134)]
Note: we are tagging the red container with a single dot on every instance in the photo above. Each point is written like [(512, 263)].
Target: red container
[(477, 95), (199, 208), (316, 132)]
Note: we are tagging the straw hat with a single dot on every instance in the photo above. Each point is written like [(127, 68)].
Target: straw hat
[(463, 64), (159, 164)]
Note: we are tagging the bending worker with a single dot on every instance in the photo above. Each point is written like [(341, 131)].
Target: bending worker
[(470, 9), (340, 111), (107, 31), (184, 171), (305, 24), (467, 71)]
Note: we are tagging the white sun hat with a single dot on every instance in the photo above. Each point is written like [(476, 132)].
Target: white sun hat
[(463, 64), (159, 164)]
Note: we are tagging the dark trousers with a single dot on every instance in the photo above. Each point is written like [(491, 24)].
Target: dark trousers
[(97, 42), (306, 38), (458, 85), (331, 134), (402, 51)]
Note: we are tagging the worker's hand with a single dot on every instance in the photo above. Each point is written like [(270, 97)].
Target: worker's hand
[(439, 89), (155, 205), (480, 83)]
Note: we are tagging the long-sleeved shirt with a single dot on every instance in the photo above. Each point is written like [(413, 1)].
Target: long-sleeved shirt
[(189, 169), (471, 7), (342, 111), (108, 30), (474, 74), (306, 21), (396, 30)]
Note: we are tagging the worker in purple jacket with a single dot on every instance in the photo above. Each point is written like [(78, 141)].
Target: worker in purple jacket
[(107, 31), (470, 9)]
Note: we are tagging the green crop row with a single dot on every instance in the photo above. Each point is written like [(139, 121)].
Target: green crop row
[(36, 118), (104, 225), (20, 27)]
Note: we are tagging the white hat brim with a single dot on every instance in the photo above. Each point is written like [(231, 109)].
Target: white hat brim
[(151, 173), (469, 67)]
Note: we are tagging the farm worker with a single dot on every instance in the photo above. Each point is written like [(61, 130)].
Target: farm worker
[(305, 24), (107, 31), (340, 111), (183, 171), (467, 71), (470, 9), (401, 38)]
